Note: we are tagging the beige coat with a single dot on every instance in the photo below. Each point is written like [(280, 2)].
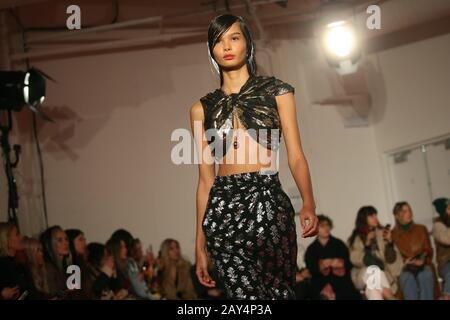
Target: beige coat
[(441, 235), (392, 270), (185, 285)]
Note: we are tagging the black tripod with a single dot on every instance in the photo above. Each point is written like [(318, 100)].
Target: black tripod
[(13, 198)]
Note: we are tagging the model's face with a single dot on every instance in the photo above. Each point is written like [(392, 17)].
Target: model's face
[(372, 220), (405, 215), (62, 243), (174, 251), (80, 245), (324, 230), (232, 42)]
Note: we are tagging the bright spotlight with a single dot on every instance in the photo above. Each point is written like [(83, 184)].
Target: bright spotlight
[(341, 47)]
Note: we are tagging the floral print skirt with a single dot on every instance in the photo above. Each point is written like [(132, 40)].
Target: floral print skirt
[(251, 236)]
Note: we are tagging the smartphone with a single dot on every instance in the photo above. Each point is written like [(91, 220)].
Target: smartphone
[(23, 295)]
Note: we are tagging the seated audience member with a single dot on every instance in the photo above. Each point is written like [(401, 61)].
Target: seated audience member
[(327, 259), (376, 260), (441, 235), (118, 250), (57, 258), (176, 281), (127, 267), (35, 262), (15, 279), (102, 272), (78, 250), (417, 279)]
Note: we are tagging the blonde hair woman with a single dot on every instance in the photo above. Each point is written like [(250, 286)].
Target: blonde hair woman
[(176, 281), (36, 264), (14, 278)]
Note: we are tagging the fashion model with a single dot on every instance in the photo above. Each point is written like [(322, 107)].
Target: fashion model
[(245, 220)]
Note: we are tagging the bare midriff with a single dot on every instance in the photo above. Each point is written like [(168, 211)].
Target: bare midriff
[(248, 156)]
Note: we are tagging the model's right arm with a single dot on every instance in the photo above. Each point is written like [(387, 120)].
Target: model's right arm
[(206, 174)]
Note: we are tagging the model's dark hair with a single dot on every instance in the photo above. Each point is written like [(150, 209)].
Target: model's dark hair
[(361, 226), (221, 24)]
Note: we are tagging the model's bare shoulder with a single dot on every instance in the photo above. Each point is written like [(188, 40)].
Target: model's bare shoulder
[(196, 111)]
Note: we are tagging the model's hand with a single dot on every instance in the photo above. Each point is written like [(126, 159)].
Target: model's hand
[(201, 262), (308, 221)]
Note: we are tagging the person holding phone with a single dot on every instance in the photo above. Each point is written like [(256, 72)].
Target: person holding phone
[(371, 248)]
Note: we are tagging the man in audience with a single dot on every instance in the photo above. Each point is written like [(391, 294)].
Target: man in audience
[(327, 258)]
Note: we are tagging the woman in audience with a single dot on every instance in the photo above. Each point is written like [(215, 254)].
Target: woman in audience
[(15, 279), (417, 279), (102, 272), (125, 236), (57, 258), (376, 260), (176, 282), (36, 264), (441, 235), (79, 252), (118, 250), (127, 268), (327, 259)]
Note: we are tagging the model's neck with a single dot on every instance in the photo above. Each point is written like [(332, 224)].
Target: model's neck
[(234, 80)]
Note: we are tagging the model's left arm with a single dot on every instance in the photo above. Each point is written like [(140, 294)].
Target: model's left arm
[(298, 164)]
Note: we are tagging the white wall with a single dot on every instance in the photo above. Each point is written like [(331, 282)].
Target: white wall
[(415, 105), (107, 160), (411, 105)]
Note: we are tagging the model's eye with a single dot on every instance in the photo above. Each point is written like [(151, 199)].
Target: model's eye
[(235, 38)]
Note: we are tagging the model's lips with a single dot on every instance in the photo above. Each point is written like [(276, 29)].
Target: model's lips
[(228, 57)]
